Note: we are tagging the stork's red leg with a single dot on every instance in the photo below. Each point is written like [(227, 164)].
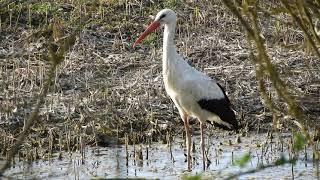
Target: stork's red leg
[(188, 140), (202, 146)]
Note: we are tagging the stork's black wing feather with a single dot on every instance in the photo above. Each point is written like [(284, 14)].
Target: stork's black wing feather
[(224, 93), (220, 107)]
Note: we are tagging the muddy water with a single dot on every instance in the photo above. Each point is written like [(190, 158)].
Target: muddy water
[(157, 162)]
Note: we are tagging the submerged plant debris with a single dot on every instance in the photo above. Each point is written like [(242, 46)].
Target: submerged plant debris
[(155, 161)]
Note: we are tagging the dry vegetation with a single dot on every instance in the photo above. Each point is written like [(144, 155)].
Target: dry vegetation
[(104, 89)]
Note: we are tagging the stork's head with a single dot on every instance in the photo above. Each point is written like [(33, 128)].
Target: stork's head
[(165, 16)]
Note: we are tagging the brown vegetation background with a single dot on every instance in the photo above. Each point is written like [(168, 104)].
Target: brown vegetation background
[(104, 90)]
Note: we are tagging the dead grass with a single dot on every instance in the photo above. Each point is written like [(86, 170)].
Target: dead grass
[(104, 89)]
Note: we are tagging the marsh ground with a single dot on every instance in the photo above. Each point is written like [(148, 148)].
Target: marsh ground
[(105, 92)]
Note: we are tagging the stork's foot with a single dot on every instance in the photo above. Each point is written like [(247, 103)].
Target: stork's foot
[(203, 164), (188, 140), (208, 163), (204, 157), (189, 167), (188, 161)]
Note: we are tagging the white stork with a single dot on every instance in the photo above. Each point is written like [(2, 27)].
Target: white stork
[(193, 93)]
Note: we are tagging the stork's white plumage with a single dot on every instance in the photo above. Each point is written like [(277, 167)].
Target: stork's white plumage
[(193, 93)]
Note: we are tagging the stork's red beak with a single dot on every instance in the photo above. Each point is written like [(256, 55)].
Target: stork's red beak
[(152, 27)]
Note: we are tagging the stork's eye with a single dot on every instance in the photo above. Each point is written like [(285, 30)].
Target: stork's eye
[(162, 16)]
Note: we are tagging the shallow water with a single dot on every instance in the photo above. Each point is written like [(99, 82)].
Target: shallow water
[(111, 162)]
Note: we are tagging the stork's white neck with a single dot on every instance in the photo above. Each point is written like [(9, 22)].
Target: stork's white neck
[(169, 48), (168, 38)]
